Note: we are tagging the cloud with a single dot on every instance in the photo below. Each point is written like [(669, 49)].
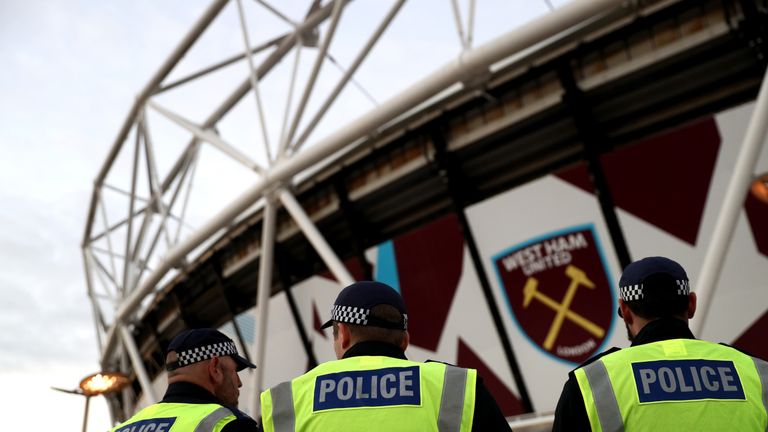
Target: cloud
[(71, 72), (42, 286)]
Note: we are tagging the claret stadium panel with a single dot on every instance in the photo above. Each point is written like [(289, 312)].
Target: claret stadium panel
[(499, 181)]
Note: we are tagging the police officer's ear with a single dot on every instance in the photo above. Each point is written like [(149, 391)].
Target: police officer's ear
[(215, 371), (691, 304), (345, 336), (406, 340), (625, 312)]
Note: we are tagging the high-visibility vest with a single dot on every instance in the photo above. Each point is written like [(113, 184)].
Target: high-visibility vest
[(677, 384), (178, 417), (373, 393)]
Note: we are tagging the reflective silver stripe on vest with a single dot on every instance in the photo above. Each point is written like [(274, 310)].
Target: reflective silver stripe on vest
[(209, 422), (452, 402), (283, 417), (605, 400), (762, 371)]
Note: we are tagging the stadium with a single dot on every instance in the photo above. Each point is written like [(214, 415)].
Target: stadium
[(595, 134)]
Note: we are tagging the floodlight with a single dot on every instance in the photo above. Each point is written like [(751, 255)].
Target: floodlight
[(103, 383)]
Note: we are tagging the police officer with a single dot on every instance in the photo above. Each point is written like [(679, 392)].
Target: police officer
[(203, 388), (372, 386), (667, 380)]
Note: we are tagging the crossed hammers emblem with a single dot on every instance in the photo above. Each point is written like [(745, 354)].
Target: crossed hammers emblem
[(578, 278)]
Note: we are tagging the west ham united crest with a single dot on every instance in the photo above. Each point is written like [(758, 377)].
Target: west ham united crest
[(559, 292)]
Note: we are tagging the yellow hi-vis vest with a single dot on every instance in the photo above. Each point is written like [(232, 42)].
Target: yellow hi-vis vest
[(178, 417), (372, 394), (676, 385)]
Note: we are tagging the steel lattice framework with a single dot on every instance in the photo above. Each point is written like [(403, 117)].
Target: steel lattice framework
[(143, 226)]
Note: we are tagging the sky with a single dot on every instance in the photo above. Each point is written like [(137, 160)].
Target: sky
[(69, 73)]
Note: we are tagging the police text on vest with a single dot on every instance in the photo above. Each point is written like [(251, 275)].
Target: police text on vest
[(368, 388), (149, 425), (680, 380)]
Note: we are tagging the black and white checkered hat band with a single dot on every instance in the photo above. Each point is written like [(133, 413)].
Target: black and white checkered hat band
[(350, 314), (355, 315), (635, 292), (631, 292), (206, 352)]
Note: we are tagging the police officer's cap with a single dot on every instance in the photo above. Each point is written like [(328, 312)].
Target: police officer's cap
[(669, 278), (196, 345), (354, 303)]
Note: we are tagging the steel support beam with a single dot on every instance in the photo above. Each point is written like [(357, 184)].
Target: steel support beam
[(138, 365), (589, 134), (208, 136), (335, 265), (285, 279), (450, 172), (358, 228)]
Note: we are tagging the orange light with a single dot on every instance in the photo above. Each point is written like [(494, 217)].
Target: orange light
[(103, 383), (760, 188)]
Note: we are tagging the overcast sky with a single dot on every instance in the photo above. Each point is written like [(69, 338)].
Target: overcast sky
[(69, 72), (68, 75)]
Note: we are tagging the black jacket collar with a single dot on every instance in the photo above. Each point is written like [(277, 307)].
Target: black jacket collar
[(372, 348), (663, 329), (186, 392)]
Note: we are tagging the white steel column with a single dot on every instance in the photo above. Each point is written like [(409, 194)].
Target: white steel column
[(318, 241), (138, 365), (289, 98), (459, 25), (266, 261), (471, 24), (128, 393), (128, 265), (97, 318), (743, 172), (183, 214), (254, 81)]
